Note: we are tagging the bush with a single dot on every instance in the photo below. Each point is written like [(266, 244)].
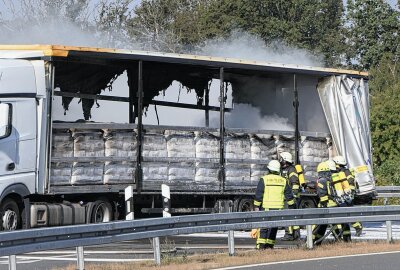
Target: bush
[(388, 173)]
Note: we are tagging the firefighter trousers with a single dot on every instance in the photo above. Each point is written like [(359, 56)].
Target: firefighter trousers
[(266, 238)]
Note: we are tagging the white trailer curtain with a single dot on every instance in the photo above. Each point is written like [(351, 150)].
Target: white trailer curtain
[(345, 102)]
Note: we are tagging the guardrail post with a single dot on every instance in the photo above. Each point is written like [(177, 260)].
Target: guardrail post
[(389, 231), (157, 250), (310, 243), (129, 206), (12, 262), (231, 234), (80, 263)]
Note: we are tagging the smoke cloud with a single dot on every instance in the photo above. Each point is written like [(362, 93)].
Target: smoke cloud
[(247, 116), (58, 23), (242, 45), (247, 46), (56, 31)]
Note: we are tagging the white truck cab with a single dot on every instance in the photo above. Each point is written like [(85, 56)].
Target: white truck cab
[(22, 95)]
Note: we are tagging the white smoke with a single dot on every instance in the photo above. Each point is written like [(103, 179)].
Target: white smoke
[(55, 31), (251, 47), (243, 45), (57, 23), (247, 116)]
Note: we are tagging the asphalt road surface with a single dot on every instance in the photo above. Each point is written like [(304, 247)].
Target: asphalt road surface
[(138, 250), (374, 261)]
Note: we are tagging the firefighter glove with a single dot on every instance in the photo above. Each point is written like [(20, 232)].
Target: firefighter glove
[(254, 233)]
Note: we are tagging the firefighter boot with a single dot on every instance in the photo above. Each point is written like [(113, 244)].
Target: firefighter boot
[(296, 234), (288, 234), (358, 227), (358, 231), (287, 237)]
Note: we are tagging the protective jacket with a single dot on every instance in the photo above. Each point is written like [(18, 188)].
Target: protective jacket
[(290, 173), (325, 190), (272, 191)]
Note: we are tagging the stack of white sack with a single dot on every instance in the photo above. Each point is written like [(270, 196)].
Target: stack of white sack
[(87, 143), (180, 144), (284, 144), (312, 151), (262, 149), (237, 147), (154, 146), (62, 146), (120, 144), (207, 146)]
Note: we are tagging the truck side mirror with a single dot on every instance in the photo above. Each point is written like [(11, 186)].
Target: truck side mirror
[(5, 120)]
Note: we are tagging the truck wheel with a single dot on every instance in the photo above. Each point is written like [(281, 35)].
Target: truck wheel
[(245, 205), (307, 203), (11, 219), (101, 212)]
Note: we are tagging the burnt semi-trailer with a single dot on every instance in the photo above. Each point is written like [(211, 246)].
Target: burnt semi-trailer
[(58, 172)]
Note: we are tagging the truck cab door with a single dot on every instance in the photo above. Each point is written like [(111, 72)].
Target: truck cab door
[(8, 148), (18, 127)]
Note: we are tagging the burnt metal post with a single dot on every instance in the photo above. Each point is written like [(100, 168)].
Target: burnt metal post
[(139, 172), (131, 100), (296, 120), (221, 175), (206, 104)]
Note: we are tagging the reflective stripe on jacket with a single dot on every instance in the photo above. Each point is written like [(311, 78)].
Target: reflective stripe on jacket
[(290, 173), (272, 191), (325, 190)]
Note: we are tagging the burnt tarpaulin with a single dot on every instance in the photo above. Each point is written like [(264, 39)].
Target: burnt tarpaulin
[(345, 102), (75, 77)]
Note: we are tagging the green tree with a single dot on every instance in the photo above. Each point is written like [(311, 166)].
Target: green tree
[(385, 111), (111, 19), (176, 25), (373, 28), (167, 25)]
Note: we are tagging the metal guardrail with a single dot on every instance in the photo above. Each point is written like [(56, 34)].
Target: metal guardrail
[(19, 242), (388, 191)]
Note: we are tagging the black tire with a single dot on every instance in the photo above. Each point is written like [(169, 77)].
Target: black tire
[(11, 219), (245, 205), (101, 211), (307, 203)]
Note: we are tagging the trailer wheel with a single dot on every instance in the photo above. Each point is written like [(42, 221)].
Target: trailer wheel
[(10, 219), (101, 212), (245, 205), (307, 203)]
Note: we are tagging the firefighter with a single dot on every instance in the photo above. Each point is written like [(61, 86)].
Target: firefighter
[(343, 198), (341, 165), (289, 172), (271, 193), (326, 194)]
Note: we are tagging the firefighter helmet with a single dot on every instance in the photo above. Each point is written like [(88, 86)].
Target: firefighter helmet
[(274, 166), (331, 165), (323, 167), (286, 156), (340, 160)]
